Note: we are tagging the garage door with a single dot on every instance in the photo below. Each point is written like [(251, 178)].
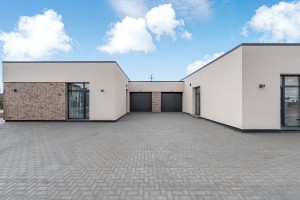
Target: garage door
[(171, 102), (140, 102)]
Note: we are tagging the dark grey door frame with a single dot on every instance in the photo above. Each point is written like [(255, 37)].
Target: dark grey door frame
[(85, 92), (282, 99), (282, 110), (197, 101)]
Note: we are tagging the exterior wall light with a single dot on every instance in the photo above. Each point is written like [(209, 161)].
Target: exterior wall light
[(190, 84), (15, 90), (262, 85), (102, 90)]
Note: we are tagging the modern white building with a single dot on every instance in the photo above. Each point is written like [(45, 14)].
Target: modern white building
[(251, 87)]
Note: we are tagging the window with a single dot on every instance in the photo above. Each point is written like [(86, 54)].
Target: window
[(78, 100), (290, 105)]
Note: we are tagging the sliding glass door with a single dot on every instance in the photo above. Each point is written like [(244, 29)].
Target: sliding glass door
[(290, 105), (78, 100)]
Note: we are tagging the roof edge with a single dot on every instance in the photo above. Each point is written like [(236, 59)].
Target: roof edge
[(122, 70), (270, 44), (231, 50), (59, 61), (155, 81), (238, 46), (70, 62)]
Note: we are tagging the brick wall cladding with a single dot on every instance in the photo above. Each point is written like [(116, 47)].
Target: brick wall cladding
[(35, 101), (156, 102)]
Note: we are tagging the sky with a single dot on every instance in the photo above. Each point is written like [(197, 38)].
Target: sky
[(167, 38)]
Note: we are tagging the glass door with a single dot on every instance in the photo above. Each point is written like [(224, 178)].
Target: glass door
[(290, 93), (197, 101), (78, 100)]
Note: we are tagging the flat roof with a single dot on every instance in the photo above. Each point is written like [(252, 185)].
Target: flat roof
[(59, 61), (155, 81), (242, 44), (70, 62)]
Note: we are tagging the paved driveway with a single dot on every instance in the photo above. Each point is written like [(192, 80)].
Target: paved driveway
[(146, 156)]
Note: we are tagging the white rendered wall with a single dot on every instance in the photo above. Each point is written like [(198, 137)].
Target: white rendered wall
[(120, 93), (220, 90), (264, 65), (105, 105), (175, 86)]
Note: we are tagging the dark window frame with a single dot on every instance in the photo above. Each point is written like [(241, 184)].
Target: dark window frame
[(197, 91), (282, 97), (85, 92)]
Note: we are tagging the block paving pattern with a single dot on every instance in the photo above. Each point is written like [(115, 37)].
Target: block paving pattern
[(155, 156), (35, 101)]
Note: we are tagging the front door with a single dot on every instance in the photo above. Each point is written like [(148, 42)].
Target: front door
[(197, 101), (78, 100), (290, 105)]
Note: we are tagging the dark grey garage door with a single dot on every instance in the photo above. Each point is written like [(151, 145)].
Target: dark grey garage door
[(171, 102), (140, 102)]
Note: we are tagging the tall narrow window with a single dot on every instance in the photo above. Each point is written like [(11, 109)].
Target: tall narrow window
[(290, 105), (78, 100), (197, 101)]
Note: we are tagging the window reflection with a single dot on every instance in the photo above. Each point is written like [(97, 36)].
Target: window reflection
[(292, 80), (78, 100), (290, 101)]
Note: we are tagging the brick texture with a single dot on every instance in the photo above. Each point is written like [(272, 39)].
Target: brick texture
[(156, 102), (34, 101)]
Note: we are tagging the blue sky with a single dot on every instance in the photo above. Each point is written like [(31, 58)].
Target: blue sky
[(166, 38)]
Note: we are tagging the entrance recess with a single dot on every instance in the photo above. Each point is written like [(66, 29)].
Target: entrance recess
[(290, 105), (197, 101), (78, 100)]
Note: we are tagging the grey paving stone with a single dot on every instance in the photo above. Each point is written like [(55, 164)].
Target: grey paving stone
[(146, 156)]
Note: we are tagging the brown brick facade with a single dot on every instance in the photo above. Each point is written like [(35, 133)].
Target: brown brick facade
[(156, 102), (35, 101)]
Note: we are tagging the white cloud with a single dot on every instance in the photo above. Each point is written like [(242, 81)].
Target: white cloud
[(161, 20), (36, 37), (187, 35), (128, 35), (131, 8), (278, 23), (201, 63), (193, 8), (134, 34), (188, 8)]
